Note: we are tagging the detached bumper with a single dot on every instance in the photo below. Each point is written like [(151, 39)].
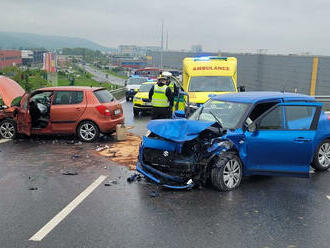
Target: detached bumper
[(162, 178)]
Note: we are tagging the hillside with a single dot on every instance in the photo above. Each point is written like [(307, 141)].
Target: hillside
[(13, 40)]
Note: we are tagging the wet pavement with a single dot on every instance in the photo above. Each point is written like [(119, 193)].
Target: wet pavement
[(263, 212)]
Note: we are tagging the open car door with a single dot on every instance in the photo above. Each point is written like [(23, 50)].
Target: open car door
[(23, 116), (282, 142)]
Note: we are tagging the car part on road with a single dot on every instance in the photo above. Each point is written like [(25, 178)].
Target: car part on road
[(69, 173), (134, 177), (321, 161), (88, 131), (8, 129)]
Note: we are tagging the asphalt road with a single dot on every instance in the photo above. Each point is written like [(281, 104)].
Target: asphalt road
[(83, 212), (101, 76)]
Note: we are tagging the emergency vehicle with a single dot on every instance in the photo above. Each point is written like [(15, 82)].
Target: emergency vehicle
[(203, 76)]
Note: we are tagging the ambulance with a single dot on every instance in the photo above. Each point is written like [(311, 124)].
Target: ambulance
[(203, 76)]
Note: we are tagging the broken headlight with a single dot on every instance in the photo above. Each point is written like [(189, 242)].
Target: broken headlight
[(226, 144)]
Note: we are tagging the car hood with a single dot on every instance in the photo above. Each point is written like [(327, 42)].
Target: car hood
[(178, 130), (9, 90)]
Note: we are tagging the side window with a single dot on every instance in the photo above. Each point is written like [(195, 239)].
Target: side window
[(272, 120), (68, 97), (299, 117)]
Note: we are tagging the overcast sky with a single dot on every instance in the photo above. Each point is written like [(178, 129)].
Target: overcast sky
[(284, 26)]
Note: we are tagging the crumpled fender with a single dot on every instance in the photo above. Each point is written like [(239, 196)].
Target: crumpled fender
[(178, 130)]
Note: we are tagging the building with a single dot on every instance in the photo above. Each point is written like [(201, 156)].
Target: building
[(10, 58), (27, 57), (196, 48)]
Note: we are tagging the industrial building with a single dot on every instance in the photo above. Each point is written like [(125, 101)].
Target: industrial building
[(10, 58)]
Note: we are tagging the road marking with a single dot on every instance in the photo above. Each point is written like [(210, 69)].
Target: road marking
[(328, 196), (4, 140), (67, 210), (122, 101)]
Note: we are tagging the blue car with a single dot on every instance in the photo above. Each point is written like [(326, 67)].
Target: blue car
[(236, 135)]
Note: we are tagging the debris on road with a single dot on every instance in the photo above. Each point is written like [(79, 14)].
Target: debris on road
[(123, 152), (110, 183), (154, 194), (70, 173), (33, 188), (134, 177), (101, 148), (75, 156)]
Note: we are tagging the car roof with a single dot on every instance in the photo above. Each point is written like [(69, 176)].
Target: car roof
[(71, 88), (149, 82), (257, 96)]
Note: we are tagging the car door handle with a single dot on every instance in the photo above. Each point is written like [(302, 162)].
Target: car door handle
[(302, 140), (78, 109)]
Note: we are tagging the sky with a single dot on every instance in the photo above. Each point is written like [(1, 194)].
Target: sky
[(281, 26)]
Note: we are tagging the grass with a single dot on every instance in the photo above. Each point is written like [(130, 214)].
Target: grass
[(113, 73)]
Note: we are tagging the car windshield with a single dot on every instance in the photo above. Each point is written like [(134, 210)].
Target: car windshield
[(228, 113), (211, 84), (136, 81), (145, 87)]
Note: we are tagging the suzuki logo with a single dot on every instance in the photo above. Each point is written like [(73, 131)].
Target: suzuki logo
[(165, 153)]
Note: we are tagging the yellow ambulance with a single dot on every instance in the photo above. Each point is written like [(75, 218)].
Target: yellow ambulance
[(203, 76)]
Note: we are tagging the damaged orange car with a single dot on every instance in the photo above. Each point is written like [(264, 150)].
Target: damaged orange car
[(83, 111)]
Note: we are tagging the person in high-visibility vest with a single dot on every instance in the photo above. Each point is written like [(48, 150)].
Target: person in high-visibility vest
[(161, 98)]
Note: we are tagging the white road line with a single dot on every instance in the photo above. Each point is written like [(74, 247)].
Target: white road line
[(328, 196), (122, 101), (67, 210), (4, 140)]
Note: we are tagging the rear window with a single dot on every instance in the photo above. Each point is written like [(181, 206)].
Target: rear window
[(104, 96)]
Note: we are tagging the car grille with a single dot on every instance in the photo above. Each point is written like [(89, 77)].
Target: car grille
[(155, 156)]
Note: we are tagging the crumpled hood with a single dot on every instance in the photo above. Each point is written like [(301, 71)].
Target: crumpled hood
[(178, 130), (9, 90)]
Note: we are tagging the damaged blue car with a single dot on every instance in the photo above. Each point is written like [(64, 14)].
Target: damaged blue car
[(236, 135)]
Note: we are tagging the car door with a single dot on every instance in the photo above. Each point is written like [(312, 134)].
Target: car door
[(66, 109), (23, 117), (282, 143)]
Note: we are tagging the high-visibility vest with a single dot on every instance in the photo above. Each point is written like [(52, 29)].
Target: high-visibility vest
[(159, 98), (171, 86)]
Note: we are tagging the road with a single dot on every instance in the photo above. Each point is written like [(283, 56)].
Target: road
[(101, 76), (80, 211)]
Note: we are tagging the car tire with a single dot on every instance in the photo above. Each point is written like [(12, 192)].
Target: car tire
[(136, 112), (127, 99), (227, 172), (321, 160), (8, 129), (88, 131)]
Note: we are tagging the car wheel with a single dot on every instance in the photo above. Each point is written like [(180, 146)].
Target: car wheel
[(88, 131), (321, 161), (226, 173), (136, 112), (127, 99), (8, 129)]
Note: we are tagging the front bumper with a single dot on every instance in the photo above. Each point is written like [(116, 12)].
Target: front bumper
[(160, 177), (142, 107)]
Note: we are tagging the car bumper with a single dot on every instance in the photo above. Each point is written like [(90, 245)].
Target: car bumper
[(142, 107), (161, 178), (108, 126)]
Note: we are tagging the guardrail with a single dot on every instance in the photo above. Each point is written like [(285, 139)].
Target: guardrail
[(118, 93)]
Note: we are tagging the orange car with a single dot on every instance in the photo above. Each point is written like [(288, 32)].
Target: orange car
[(84, 111)]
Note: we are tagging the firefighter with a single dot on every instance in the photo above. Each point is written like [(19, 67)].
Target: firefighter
[(161, 98)]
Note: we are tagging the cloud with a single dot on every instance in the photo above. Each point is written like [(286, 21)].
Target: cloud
[(291, 25)]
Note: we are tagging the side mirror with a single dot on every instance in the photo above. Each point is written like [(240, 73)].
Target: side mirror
[(178, 114), (241, 88), (252, 127)]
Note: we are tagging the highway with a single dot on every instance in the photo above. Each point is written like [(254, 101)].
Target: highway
[(42, 207)]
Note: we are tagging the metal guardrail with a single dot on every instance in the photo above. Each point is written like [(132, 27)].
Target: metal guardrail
[(322, 98)]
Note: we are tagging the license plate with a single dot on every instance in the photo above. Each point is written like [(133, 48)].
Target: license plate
[(117, 111), (148, 103)]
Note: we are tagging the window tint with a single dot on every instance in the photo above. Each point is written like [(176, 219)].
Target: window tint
[(104, 96), (68, 97), (299, 117), (272, 120)]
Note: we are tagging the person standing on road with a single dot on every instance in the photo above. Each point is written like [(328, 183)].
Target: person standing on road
[(161, 98)]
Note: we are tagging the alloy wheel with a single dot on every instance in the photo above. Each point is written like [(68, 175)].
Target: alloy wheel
[(324, 155), (87, 131), (232, 173), (7, 130)]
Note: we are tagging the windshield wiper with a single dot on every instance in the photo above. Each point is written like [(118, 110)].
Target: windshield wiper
[(200, 112), (216, 118)]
